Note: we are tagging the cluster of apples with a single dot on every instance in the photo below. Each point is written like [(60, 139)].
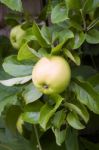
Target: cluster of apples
[(50, 75)]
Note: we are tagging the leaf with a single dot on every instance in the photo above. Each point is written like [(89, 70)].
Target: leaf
[(3, 74), (80, 71), (77, 41), (88, 5), (86, 95), (29, 32), (31, 94), (59, 135), (32, 112), (15, 68), (48, 111), (59, 13), (12, 4), (11, 142), (74, 57), (79, 109), (65, 35), (11, 99), (8, 96), (75, 24), (46, 33), (11, 117), (71, 135), (94, 80), (58, 48), (43, 52), (92, 36), (71, 4), (62, 36), (73, 120), (14, 81), (19, 124), (39, 36), (58, 119), (26, 52), (89, 145)]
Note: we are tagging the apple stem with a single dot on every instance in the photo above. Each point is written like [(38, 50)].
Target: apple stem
[(38, 141)]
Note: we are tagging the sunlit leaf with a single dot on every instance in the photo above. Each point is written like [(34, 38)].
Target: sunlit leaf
[(15, 68)]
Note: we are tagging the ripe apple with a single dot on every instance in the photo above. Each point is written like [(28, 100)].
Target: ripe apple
[(16, 36), (51, 74)]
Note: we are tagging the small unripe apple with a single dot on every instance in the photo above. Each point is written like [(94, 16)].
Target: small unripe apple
[(16, 36), (51, 75)]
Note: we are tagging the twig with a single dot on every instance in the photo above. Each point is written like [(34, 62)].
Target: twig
[(36, 133)]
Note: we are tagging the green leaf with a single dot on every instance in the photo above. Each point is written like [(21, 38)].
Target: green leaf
[(8, 96), (88, 5), (62, 36), (71, 135), (15, 68), (26, 52), (10, 141), (86, 95), (47, 111), (58, 119), (59, 135), (31, 94), (76, 24), (73, 120), (3, 74), (92, 36), (46, 33), (19, 124), (71, 4), (11, 99), (29, 33), (39, 36), (11, 117), (94, 80), (80, 71), (32, 112), (79, 109), (43, 52), (59, 13), (77, 41), (12, 4), (14, 81), (58, 48), (65, 35), (73, 56), (89, 145)]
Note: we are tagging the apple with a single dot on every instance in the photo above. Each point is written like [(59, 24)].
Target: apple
[(16, 36), (51, 75)]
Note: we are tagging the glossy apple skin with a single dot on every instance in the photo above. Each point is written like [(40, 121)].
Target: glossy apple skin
[(51, 75), (16, 36)]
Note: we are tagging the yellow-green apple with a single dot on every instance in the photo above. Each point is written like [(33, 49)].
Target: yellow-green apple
[(51, 74), (16, 36)]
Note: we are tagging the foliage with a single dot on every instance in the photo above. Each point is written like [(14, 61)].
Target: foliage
[(73, 33)]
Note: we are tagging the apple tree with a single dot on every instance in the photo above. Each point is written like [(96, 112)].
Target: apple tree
[(49, 78)]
